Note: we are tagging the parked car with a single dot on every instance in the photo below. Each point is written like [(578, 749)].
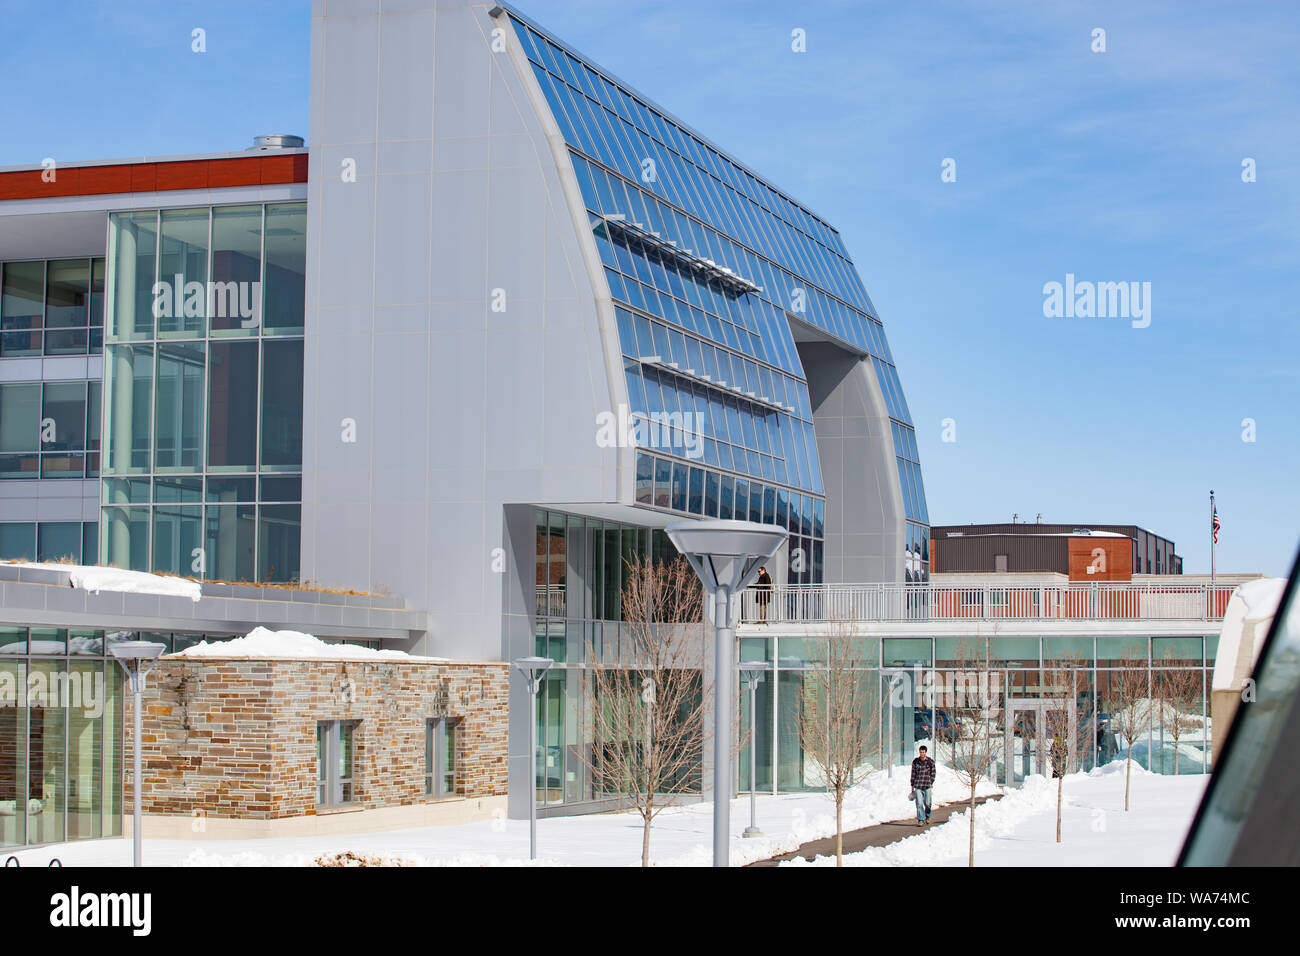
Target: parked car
[(948, 725)]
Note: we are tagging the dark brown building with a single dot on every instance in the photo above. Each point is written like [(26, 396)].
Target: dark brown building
[(1099, 552)]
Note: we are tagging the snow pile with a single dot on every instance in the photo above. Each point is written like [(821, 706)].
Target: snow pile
[(1261, 597), (96, 579), (261, 643)]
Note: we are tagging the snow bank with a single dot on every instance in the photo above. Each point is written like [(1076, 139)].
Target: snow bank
[(292, 645), (951, 839), (96, 579), (1261, 597)]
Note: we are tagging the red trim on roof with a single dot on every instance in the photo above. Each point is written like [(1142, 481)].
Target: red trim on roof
[(256, 170)]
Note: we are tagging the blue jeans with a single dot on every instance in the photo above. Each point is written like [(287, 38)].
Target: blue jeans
[(922, 804)]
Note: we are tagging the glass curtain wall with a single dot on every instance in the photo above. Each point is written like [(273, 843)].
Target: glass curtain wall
[(204, 379), (710, 264), (581, 569), (921, 690), (60, 737)]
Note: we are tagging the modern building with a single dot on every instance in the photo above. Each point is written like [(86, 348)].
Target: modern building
[(1108, 552), (502, 321)]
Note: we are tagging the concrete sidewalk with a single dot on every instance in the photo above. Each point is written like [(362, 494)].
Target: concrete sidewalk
[(882, 834)]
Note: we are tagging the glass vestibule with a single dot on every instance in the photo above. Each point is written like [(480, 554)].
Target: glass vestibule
[(60, 737)]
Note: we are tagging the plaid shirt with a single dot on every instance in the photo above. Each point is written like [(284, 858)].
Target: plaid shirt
[(922, 773)]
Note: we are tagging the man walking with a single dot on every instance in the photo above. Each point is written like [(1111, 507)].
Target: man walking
[(923, 772)]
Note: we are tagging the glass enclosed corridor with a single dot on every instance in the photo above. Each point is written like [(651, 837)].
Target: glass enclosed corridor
[(60, 737)]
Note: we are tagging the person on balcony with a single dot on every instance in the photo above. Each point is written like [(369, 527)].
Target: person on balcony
[(763, 597)]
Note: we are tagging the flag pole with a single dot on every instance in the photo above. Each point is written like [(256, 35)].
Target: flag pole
[(1212, 517)]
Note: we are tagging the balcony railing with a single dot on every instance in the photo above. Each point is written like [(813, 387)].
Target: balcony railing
[(1114, 601)]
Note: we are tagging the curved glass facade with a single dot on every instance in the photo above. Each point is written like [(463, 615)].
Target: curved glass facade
[(712, 266)]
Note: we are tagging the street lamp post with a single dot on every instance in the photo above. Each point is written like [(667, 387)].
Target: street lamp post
[(726, 555), (532, 669), (753, 671), (137, 659)]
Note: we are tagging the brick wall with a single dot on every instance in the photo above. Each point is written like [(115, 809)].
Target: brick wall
[(237, 738)]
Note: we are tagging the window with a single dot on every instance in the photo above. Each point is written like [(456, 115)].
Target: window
[(440, 757), (335, 762)]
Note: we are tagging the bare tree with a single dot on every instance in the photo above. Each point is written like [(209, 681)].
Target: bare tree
[(977, 735), (1130, 718), (646, 709), (1068, 727), (1179, 690), (836, 716)]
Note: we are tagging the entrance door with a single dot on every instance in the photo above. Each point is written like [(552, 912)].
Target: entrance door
[(1036, 729)]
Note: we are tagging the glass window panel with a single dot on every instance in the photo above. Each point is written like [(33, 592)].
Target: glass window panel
[(58, 541), (695, 495), (126, 537), (282, 389), (232, 405), (236, 301), (286, 268), (279, 534), (178, 438), (133, 249), (229, 534), (180, 301), (644, 479), (663, 482), (21, 307), (46, 753), (178, 539), (228, 490), (280, 489), (17, 542), (726, 497), (128, 377), (67, 299), (20, 417)]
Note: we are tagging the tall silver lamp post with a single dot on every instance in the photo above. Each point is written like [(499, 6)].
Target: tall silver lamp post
[(753, 671), (726, 555), (137, 659), (533, 670)]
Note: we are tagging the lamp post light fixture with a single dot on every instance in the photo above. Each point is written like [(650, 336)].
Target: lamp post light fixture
[(753, 671), (726, 555), (137, 659), (533, 669)]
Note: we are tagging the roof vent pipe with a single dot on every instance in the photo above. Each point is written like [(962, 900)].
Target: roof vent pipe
[(277, 141)]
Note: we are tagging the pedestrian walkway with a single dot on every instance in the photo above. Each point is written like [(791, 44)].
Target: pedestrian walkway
[(882, 834)]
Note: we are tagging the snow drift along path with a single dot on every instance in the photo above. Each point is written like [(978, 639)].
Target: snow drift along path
[(1020, 829)]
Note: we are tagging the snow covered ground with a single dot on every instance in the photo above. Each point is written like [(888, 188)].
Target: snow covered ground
[(1017, 830), (1020, 828)]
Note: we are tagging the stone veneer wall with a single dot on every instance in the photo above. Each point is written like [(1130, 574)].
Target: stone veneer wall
[(236, 738)]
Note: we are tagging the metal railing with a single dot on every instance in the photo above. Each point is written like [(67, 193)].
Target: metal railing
[(1112, 601)]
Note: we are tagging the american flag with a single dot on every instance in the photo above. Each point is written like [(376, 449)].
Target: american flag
[(1214, 525)]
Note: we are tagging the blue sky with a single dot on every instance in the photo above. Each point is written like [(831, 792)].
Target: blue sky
[(1117, 166)]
